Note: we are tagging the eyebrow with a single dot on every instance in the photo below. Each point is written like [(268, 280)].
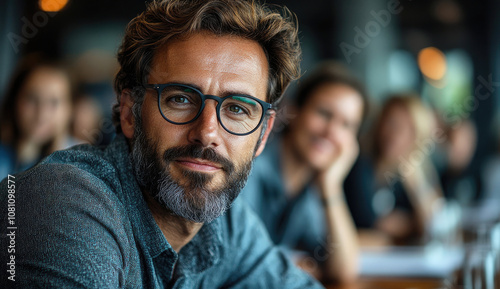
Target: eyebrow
[(224, 94)]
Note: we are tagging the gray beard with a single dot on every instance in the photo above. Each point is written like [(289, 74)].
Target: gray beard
[(193, 201)]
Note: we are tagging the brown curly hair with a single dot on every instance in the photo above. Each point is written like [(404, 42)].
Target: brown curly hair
[(163, 20)]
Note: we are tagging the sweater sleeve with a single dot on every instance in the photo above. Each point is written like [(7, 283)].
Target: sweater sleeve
[(67, 231)]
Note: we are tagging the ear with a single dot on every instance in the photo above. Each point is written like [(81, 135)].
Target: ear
[(126, 115), (270, 124)]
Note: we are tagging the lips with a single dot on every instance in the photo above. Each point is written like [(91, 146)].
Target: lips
[(194, 157), (198, 164), (321, 144)]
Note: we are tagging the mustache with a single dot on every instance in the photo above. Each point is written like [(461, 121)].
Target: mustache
[(198, 152)]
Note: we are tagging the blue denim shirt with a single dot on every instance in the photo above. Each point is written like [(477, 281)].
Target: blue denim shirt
[(294, 223), (82, 222)]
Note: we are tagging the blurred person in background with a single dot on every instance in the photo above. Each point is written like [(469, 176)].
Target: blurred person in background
[(35, 115), (296, 184), (459, 180), (86, 119), (397, 181)]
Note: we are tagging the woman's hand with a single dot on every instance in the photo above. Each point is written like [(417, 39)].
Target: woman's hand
[(332, 178)]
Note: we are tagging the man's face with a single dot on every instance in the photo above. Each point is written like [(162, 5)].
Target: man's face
[(197, 169)]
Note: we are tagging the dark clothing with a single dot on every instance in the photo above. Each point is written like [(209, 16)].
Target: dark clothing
[(367, 199), (359, 188)]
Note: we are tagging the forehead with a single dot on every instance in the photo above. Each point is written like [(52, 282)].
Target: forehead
[(46, 79), (337, 95), (44, 73), (224, 63)]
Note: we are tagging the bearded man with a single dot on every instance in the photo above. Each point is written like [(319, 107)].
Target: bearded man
[(157, 208)]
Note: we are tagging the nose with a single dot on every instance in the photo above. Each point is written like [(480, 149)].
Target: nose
[(334, 131), (206, 129), (43, 112)]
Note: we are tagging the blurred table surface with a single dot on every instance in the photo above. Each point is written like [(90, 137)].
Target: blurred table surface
[(405, 268), (391, 283)]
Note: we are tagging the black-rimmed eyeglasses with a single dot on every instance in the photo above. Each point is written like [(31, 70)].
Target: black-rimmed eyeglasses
[(183, 104)]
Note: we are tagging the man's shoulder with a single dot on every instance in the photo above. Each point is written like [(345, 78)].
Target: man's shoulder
[(60, 185), (86, 162), (82, 172), (92, 159), (78, 227)]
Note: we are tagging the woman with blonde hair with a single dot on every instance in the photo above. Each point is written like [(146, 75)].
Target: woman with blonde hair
[(398, 177)]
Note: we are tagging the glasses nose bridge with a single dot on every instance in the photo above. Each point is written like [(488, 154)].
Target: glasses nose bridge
[(213, 97), (217, 99), (217, 107)]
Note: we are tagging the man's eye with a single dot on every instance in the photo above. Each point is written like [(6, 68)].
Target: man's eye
[(235, 109), (180, 99)]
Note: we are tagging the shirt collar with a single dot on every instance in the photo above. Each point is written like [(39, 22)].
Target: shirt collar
[(204, 250)]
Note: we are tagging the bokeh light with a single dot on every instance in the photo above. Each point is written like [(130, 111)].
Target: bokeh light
[(52, 5), (432, 63)]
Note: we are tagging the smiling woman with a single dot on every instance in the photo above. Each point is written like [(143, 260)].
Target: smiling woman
[(296, 185)]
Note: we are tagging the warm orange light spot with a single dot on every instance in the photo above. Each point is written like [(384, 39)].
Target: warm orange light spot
[(52, 5), (432, 63)]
